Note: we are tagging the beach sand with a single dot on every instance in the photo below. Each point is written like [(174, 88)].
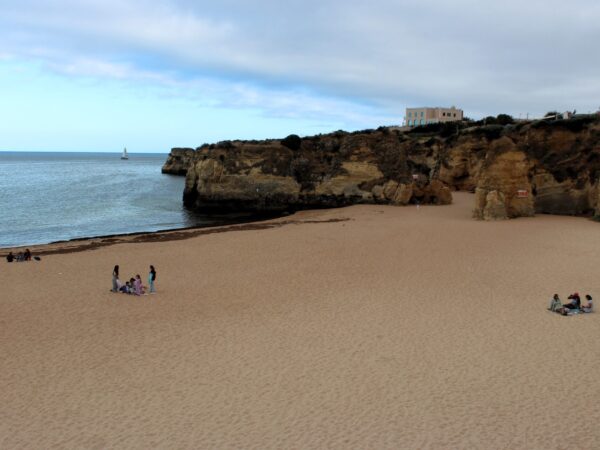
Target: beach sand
[(388, 327)]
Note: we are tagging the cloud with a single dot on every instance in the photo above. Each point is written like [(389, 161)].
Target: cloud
[(348, 59)]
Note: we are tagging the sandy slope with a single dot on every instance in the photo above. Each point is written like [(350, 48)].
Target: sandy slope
[(398, 328)]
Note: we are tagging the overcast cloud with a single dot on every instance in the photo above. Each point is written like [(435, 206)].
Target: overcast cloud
[(331, 58)]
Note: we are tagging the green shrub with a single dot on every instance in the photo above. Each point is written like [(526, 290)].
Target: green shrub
[(293, 142), (504, 119), (491, 132)]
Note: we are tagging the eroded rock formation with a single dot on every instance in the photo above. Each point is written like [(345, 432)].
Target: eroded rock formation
[(178, 161), (516, 170), (322, 171)]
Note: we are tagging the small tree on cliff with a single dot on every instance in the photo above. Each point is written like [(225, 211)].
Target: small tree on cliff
[(292, 142), (504, 119)]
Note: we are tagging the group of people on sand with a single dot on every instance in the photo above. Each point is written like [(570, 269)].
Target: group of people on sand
[(573, 307), (134, 286), (19, 257)]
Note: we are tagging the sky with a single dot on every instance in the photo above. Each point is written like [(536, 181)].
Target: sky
[(98, 75)]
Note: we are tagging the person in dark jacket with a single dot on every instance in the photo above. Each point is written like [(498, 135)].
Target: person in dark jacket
[(115, 277), (575, 301), (152, 279)]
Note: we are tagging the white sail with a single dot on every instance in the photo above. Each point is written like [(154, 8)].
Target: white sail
[(124, 155)]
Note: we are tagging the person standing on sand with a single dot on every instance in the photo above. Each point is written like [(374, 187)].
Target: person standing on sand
[(115, 277), (152, 279)]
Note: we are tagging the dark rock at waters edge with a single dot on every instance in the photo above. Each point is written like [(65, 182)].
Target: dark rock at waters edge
[(515, 170)]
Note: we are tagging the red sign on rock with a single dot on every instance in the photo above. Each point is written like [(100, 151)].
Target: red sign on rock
[(522, 193)]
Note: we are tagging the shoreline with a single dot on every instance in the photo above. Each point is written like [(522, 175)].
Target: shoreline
[(170, 234), (76, 245), (218, 223)]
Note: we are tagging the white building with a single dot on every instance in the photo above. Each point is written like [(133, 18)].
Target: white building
[(423, 116)]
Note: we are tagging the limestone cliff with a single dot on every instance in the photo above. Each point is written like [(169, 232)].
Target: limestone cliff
[(178, 161), (516, 170), (542, 167), (321, 171)]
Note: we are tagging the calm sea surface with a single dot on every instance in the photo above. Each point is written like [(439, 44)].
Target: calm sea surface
[(46, 197)]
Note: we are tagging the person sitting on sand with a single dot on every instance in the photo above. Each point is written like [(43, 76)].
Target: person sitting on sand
[(20, 257), (10, 257), (575, 301), (555, 303), (139, 289), (572, 307), (124, 288), (590, 306)]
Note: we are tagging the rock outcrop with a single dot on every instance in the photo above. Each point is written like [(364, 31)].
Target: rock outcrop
[(543, 167), (504, 182), (515, 170), (178, 161), (322, 171)]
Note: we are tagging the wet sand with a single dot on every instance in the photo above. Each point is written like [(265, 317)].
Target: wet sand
[(365, 327)]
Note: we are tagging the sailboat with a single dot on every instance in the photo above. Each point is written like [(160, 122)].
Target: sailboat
[(124, 155)]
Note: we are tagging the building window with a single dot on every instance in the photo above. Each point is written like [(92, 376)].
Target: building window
[(422, 120), (422, 112), (409, 114), (454, 114)]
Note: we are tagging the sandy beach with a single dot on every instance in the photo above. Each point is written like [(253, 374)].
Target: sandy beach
[(368, 327)]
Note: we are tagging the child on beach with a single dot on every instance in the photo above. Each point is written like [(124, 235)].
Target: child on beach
[(124, 288)]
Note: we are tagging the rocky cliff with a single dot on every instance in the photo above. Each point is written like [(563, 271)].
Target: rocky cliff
[(321, 171), (542, 167), (515, 170), (178, 161)]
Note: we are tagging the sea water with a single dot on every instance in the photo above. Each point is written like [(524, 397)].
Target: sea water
[(48, 196)]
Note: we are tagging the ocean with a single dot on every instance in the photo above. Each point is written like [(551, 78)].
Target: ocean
[(52, 196)]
